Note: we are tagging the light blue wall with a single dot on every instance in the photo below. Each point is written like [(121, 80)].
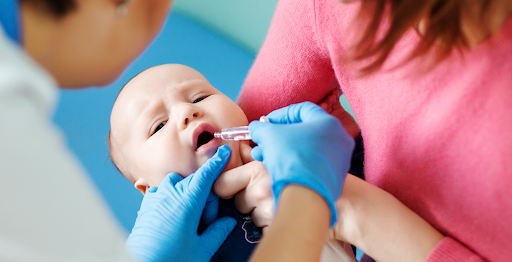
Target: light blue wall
[(243, 21)]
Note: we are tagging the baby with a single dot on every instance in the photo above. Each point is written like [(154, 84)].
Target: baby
[(163, 121)]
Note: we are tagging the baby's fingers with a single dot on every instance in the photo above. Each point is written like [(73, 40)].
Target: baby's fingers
[(235, 180)]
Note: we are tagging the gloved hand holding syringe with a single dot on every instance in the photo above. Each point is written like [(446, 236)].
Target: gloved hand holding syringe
[(237, 133)]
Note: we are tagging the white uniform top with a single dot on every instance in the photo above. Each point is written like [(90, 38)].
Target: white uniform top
[(49, 209)]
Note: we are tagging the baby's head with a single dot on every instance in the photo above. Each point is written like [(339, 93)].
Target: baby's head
[(163, 121)]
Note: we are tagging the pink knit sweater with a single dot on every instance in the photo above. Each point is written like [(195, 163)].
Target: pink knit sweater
[(440, 141)]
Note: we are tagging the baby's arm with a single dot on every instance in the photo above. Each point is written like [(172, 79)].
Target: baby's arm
[(332, 105)]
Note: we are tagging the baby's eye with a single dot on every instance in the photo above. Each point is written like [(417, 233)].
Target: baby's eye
[(160, 126), (200, 99)]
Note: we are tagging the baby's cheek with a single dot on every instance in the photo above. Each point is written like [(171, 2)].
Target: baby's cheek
[(235, 159), (186, 170)]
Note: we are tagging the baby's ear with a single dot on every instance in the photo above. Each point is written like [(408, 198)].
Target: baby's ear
[(141, 185)]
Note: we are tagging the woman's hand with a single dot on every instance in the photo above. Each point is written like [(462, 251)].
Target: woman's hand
[(307, 153), (304, 145), (380, 225), (167, 223), (250, 183)]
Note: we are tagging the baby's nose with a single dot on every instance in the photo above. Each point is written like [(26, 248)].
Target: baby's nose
[(188, 119), (189, 114)]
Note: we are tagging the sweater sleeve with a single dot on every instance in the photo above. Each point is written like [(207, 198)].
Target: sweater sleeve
[(448, 250), (291, 66)]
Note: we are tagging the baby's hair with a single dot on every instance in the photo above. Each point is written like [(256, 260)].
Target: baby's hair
[(111, 152), (111, 147)]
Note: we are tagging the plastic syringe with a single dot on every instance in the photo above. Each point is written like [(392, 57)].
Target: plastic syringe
[(237, 133)]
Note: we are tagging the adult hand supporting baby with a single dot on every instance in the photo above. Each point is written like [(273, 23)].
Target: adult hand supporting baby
[(304, 145), (167, 223), (250, 185)]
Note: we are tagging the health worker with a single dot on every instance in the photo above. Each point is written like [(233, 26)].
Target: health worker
[(50, 209)]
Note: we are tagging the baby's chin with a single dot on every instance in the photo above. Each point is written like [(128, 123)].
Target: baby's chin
[(235, 159)]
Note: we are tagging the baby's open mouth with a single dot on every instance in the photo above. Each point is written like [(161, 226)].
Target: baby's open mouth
[(204, 138)]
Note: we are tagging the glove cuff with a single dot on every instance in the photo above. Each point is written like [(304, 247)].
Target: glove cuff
[(278, 187)]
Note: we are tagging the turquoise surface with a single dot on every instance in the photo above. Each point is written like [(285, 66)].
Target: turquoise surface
[(243, 21)]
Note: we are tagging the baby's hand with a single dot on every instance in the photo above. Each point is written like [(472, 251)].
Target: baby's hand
[(250, 184), (332, 105)]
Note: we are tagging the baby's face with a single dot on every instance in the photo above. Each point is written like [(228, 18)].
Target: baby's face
[(163, 121)]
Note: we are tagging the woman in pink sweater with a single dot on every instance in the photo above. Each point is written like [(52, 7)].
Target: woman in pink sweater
[(433, 98)]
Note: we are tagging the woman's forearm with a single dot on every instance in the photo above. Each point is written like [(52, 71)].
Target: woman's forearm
[(381, 226), (299, 229)]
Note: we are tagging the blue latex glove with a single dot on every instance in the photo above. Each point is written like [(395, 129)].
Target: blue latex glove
[(304, 145), (211, 208), (167, 222)]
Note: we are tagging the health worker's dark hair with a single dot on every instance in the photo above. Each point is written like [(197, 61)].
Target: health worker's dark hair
[(57, 8)]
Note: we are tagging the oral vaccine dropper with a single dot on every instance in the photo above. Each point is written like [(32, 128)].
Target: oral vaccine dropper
[(237, 133)]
